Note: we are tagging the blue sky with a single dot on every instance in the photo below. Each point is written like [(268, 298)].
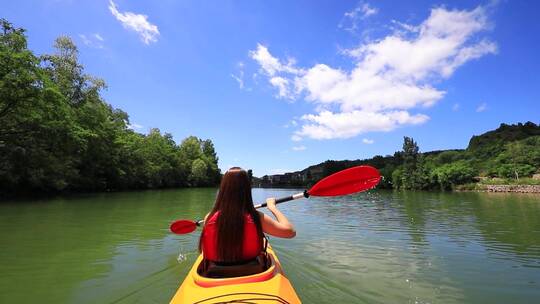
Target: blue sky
[(281, 85)]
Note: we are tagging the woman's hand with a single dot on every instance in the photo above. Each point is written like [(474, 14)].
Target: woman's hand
[(280, 227), (271, 203)]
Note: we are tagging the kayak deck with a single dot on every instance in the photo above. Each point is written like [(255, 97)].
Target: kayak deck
[(270, 286)]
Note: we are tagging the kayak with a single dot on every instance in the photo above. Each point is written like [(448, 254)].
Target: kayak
[(269, 286)]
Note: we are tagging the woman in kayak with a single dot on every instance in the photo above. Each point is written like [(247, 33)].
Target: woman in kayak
[(233, 230)]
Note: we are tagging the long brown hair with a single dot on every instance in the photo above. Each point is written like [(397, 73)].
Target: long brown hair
[(233, 202)]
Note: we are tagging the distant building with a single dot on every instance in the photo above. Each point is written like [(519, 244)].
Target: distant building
[(316, 172), (298, 178)]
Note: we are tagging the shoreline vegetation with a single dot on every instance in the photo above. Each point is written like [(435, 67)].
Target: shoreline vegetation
[(58, 134), (506, 159)]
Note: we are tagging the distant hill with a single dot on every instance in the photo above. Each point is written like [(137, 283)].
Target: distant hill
[(493, 142), (506, 152)]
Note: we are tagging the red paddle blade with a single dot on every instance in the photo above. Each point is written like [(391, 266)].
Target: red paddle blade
[(352, 180), (183, 226)]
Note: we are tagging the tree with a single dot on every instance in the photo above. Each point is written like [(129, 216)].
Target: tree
[(65, 70), (449, 175), (19, 72), (410, 153), (210, 156), (515, 170), (397, 178), (250, 175), (410, 163), (37, 142), (58, 134), (198, 172)]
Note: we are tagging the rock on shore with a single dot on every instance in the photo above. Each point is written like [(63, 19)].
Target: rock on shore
[(512, 188)]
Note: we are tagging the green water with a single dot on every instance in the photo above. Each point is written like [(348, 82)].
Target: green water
[(378, 247)]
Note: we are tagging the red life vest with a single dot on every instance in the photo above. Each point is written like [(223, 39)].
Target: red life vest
[(251, 247)]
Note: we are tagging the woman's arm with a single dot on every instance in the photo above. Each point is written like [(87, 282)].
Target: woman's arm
[(205, 218), (280, 227)]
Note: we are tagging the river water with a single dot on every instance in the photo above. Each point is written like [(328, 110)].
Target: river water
[(376, 247)]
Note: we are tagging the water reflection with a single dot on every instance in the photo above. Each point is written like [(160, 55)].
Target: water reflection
[(93, 248), (375, 247), (426, 247)]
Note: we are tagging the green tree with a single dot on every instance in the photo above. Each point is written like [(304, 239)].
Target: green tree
[(190, 150), (210, 156), (515, 170), (198, 172), (57, 133), (397, 178), (449, 175), (410, 163), (519, 159), (20, 78), (66, 71), (37, 142)]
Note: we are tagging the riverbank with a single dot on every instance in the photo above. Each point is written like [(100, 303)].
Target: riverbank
[(510, 188), (502, 188)]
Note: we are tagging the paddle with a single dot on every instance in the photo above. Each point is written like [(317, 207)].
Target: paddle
[(348, 181)]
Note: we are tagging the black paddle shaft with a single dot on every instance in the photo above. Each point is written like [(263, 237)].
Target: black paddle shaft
[(286, 199), (278, 201)]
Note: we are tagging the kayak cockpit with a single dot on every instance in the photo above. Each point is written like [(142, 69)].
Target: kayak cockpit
[(269, 286), (215, 270), (209, 274)]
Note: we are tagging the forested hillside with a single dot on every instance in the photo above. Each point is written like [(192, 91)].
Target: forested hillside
[(58, 134), (510, 153)]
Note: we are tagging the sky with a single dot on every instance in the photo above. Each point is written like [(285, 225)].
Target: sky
[(282, 85)]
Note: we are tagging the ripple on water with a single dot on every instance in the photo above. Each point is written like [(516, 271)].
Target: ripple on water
[(376, 247)]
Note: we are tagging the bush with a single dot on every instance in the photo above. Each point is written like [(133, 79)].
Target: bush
[(516, 171), (449, 175), (397, 178)]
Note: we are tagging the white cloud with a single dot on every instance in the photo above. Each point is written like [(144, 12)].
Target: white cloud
[(84, 39), (299, 148), (390, 76), (239, 79), (98, 37), (139, 23), (367, 141), (283, 87), (328, 125), (270, 66), (295, 137), (361, 12), (372, 90), (404, 26), (368, 11), (436, 49), (135, 126), (482, 107), (93, 41)]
